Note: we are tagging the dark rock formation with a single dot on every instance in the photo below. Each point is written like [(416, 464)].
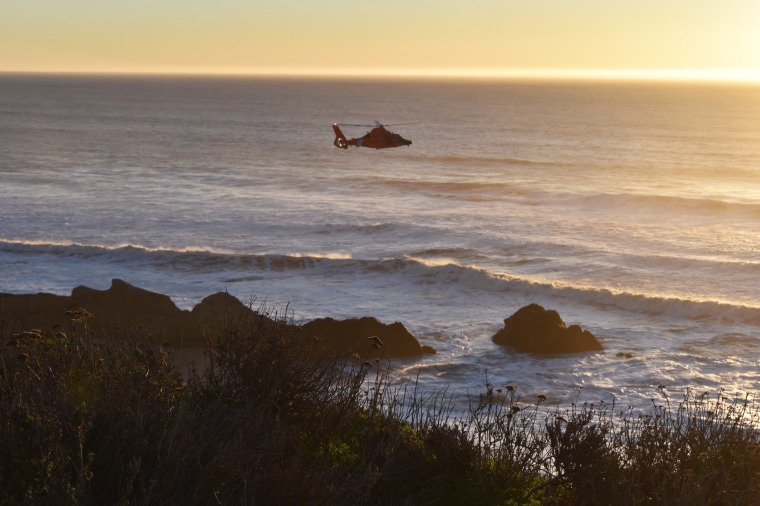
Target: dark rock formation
[(125, 309), (365, 337), (26, 311), (533, 329)]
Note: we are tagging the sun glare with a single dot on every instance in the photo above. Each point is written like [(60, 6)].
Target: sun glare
[(749, 76), (706, 75)]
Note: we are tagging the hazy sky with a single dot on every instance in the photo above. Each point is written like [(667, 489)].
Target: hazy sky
[(385, 35)]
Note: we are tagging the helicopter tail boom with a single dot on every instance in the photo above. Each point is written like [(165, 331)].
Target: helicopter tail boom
[(340, 139)]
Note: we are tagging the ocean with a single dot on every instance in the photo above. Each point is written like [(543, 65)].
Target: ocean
[(631, 208)]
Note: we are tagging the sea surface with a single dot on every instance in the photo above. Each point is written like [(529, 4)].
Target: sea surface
[(631, 208)]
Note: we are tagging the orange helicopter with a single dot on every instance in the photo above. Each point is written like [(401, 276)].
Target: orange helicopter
[(377, 138)]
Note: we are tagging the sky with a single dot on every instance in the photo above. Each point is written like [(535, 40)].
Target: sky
[(418, 37)]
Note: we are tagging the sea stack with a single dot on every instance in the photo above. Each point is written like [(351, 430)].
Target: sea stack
[(533, 329)]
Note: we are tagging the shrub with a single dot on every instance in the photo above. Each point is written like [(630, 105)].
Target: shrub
[(271, 419)]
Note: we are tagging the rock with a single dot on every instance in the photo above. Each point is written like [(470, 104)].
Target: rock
[(533, 329), (25, 311), (365, 337), (125, 309)]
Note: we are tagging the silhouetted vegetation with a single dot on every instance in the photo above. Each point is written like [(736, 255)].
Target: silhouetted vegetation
[(86, 419)]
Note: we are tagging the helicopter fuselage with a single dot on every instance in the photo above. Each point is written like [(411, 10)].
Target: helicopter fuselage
[(377, 138)]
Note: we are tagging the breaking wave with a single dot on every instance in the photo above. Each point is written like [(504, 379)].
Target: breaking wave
[(445, 277)]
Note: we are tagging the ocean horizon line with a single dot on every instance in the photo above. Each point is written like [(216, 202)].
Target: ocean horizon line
[(709, 76)]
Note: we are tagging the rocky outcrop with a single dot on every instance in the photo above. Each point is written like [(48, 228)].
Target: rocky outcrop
[(26, 311), (125, 309), (366, 337), (533, 329)]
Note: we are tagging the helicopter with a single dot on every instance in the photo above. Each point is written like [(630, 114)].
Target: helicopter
[(377, 138)]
